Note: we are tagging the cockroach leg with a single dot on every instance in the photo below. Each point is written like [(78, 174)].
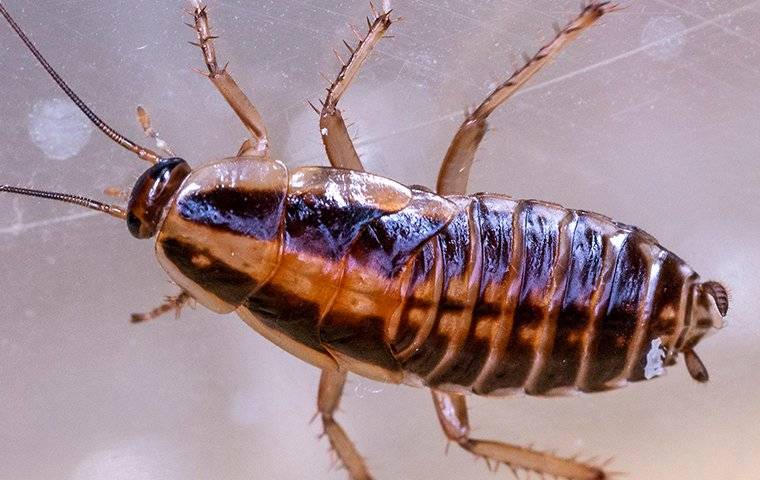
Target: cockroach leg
[(226, 85), (455, 170), (331, 385), (171, 303), (452, 413), (340, 149), (143, 117), (116, 192)]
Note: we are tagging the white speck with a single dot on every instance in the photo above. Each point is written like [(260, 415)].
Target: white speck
[(58, 128), (655, 355), (324, 131), (142, 47), (663, 33)]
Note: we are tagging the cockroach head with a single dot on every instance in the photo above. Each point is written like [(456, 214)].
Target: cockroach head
[(151, 195)]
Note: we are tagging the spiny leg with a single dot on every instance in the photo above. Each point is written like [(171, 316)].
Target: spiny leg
[(171, 304), (331, 385), (223, 81), (340, 149), (455, 170), (452, 413)]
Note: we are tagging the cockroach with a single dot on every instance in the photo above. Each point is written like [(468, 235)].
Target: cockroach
[(463, 294)]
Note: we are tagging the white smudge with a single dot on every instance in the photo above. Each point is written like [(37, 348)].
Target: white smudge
[(365, 388), (324, 131), (655, 355), (663, 34), (137, 458), (58, 128)]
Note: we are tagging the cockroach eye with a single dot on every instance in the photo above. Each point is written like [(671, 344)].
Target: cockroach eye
[(152, 194)]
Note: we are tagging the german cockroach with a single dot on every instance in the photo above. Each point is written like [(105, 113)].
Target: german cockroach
[(353, 272)]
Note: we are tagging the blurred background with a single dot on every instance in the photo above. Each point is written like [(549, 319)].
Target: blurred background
[(651, 117)]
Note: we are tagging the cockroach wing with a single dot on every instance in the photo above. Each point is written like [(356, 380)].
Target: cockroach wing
[(220, 237), (328, 207), (354, 330), (387, 244)]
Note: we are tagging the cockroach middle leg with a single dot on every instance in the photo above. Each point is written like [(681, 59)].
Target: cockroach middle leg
[(455, 170), (452, 413), (258, 144), (331, 385), (172, 303), (338, 145)]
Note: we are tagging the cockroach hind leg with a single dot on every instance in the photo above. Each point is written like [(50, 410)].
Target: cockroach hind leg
[(452, 414), (454, 173), (171, 303)]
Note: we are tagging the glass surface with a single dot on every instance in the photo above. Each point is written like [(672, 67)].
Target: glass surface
[(650, 117)]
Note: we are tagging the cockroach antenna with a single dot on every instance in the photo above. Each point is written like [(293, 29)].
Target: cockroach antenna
[(113, 210), (142, 152)]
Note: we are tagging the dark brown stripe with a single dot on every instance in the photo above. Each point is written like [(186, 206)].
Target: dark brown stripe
[(322, 227), (208, 272), (360, 338), (387, 243), (294, 316), (253, 213), (326, 208)]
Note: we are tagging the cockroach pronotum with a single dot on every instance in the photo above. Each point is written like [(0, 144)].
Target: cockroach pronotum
[(353, 272)]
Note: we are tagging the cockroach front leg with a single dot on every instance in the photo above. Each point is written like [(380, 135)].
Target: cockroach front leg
[(143, 118), (331, 385), (258, 144), (340, 149), (455, 170), (171, 304), (452, 413)]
